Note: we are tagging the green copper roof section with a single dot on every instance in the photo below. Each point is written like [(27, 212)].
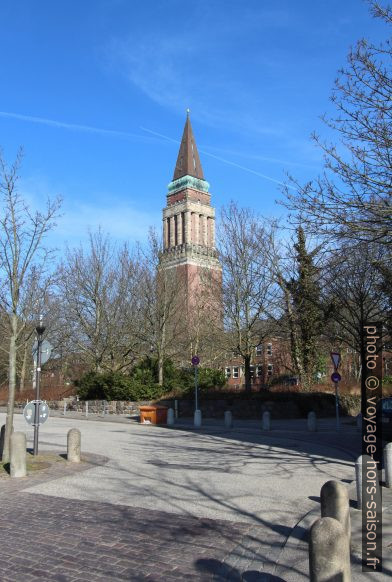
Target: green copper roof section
[(188, 182)]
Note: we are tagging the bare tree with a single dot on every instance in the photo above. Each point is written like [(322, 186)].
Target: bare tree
[(163, 329), (248, 286), (353, 287), (98, 292), (22, 260), (352, 198)]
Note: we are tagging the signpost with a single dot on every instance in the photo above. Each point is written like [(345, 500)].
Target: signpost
[(336, 377), (195, 362), (40, 332)]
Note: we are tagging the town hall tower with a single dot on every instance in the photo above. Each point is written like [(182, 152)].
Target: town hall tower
[(189, 231)]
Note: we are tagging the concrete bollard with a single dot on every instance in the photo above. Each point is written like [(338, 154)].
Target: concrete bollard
[(176, 408), (388, 465), (228, 419), (359, 422), (197, 419), (329, 555), (266, 422), (65, 408), (18, 455), (358, 479), (86, 408), (170, 417), (73, 445), (2, 435), (335, 503), (312, 422)]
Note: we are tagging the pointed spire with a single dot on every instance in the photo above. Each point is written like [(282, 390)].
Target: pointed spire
[(188, 161)]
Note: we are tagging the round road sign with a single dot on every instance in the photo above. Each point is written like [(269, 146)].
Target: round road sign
[(29, 412), (336, 377), (195, 361)]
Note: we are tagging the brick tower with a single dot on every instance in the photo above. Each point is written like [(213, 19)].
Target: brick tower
[(189, 233)]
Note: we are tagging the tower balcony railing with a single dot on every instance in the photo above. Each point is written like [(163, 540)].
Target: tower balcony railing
[(190, 248)]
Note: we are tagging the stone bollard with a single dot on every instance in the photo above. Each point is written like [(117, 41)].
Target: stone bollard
[(228, 419), (388, 465), (73, 445), (312, 422), (170, 417), (358, 478), (197, 419), (18, 455), (65, 408), (2, 435), (335, 503), (266, 422), (359, 421), (86, 408), (329, 556)]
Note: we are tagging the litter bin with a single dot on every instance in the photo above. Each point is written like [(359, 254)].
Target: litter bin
[(153, 414)]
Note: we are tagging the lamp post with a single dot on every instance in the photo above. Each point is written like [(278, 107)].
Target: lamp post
[(40, 332)]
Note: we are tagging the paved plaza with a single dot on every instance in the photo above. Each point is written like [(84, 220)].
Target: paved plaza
[(154, 503)]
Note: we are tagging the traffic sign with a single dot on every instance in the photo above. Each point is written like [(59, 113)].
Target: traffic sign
[(195, 361), (29, 412), (336, 377), (335, 356)]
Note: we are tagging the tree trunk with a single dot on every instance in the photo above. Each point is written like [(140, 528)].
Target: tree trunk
[(11, 390), (160, 369), (23, 369), (248, 383)]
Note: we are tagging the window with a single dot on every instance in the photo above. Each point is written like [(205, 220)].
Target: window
[(259, 371), (228, 372), (252, 371), (236, 372), (259, 349), (269, 349), (176, 230), (270, 369)]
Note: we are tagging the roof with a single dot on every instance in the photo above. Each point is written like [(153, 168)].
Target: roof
[(188, 161)]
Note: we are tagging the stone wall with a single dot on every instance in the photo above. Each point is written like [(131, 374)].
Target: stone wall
[(242, 406)]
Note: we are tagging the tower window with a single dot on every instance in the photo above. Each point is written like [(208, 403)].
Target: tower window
[(183, 227), (236, 372), (259, 349), (259, 371), (176, 230), (168, 231), (269, 349), (228, 372), (270, 369)]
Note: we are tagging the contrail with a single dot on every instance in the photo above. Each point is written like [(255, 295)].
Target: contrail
[(127, 135), (70, 126), (249, 170)]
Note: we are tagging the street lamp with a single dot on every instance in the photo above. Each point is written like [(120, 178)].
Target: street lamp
[(40, 332)]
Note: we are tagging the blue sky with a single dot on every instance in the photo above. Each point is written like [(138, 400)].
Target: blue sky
[(96, 92)]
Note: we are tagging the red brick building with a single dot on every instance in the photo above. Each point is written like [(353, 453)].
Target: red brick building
[(189, 232), (189, 248)]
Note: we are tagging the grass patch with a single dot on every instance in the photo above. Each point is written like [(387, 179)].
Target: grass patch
[(34, 463)]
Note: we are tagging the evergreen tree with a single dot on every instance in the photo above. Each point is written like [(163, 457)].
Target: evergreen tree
[(306, 314)]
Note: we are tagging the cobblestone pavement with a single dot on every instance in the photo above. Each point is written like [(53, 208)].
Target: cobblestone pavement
[(47, 538)]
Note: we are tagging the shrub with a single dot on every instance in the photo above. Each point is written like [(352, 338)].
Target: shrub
[(117, 386)]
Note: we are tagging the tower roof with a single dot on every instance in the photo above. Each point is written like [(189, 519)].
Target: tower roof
[(188, 161)]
